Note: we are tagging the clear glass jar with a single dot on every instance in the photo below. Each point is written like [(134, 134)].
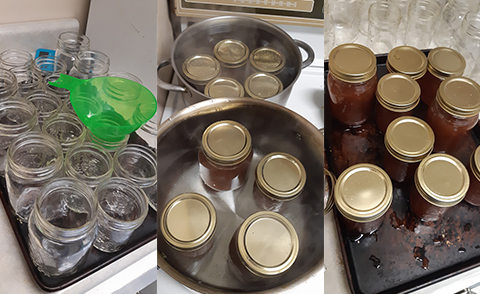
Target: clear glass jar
[(14, 58), (473, 167), (422, 19), (28, 81), (383, 21), (8, 84), (62, 226), (467, 40), (352, 82), (68, 46), (402, 27), (122, 208), (441, 181), (451, 20), (343, 20), (225, 155), (125, 75), (47, 103), (68, 108), (67, 128), (33, 159), (64, 94), (112, 147), (90, 64), (46, 66)]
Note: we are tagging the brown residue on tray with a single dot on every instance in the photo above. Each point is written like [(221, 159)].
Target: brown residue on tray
[(419, 255)]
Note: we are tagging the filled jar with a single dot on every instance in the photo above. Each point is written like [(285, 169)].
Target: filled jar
[(397, 95), (407, 60), (188, 223), (473, 193), (267, 59), (225, 155), (408, 140), (263, 85), (363, 195), (90, 64), (454, 112), (329, 181), (231, 53), (441, 181), (224, 88), (200, 69), (352, 82), (279, 178)]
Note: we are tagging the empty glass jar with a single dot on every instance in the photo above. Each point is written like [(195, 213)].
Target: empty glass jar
[(90, 64), (28, 81), (422, 19), (467, 40), (46, 66), (68, 46), (8, 84), (67, 128), (15, 58), (383, 21), (450, 21), (47, 104), (112, 147)]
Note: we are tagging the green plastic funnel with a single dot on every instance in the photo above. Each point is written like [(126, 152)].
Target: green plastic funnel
[(110, 107)]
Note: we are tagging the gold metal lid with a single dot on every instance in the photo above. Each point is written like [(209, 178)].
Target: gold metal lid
[(329, 185), (224, 88), (201, 67), (398, 92), (442, 180), (233, 53), (363, 192), (226, 142), (263, 85), (475, 163), (280, 176), (188, 221), (445, 62), (267, 244), (407, 60), (352, 63), (459, 96), (409, 139), (266, 59)]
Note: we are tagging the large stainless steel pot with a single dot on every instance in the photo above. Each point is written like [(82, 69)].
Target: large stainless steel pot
[(201, 37)]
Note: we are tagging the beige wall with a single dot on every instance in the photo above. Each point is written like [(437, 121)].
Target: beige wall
[(31, 10)]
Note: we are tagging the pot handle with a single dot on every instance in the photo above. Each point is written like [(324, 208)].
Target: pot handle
[(309, 50), (167, 86)]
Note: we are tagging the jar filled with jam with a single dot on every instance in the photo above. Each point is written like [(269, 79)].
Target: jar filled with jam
[(363, 194), (265, 246), (441, 181), (231, 53), (407, 60), (352, 82), (408, 140), (225, 155), (267, 59), (473, 167), (442, 64), (279, 178), (329, 187), (200, 69), (397, 95), (454, 112), (188, 224)]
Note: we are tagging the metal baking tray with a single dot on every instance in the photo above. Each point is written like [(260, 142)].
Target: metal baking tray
[(272, 128), (95, 259), (405, 254)]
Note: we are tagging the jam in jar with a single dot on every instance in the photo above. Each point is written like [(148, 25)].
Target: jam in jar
[(397, 95), (363, 194), (473, 193), (408, 140), (454, 112), (441, 181), (407, 60), (352, 81)]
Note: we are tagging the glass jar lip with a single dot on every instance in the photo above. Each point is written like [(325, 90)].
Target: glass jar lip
[(91, 147), (106, 144), (42, 94), (25, 106), (100, 66), (9, 57), (145, 153), (58, 65), (10, 87), (62, 118), (352, 63), (73, 42)]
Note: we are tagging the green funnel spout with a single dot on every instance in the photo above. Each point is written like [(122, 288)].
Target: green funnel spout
[(67, 82)]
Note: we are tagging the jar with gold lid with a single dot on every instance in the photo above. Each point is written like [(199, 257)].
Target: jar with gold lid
[(188, 223), (265, 246), (352, 82), (473, 167), (225, 155), (279, 178), (441, 181), (442, 64), (263, 85), (363, 194), (454, 112), (224, 88), (200, 69), (408, 140), (329, 181), (407, 60), (267, 59), (397, 95), (231, 53)]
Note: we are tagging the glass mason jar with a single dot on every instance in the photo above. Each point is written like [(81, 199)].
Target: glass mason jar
[(17, 116), (68, 108), (383, 21), (467, 39), (112, 147), (266, 59), (279, 178), (473, 167), (231, 53), (188, 223), (352, 81), (62, 226), (408, 140), (397, 95), (64, 94), (46, 66), (15, 58), (122, 208), (454, 112), (125, 75), (138, 164), (225, 155), (343, 20), (8, 84), (403, 6), (264, 247), (33, 159), (89, 163), (329, 181), (407, 60), (363, 195), (28, 81), (422, 18), (67, 128), (442, 64), (68, 46), (441, 181), (262, 85), (47, 103), (200, 69), (90, 64), (451, 20), (224, 88)]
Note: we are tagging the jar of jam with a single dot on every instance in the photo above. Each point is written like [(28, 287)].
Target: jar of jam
[(188, 223), (225, 155), (473, 193), (352, 82), (200, 69), (408, 140), (279, 178), (231, 53), (454, 112), (224, 88), (329, 187), (407, 60), (263, 85), (264, 247), (267, 59), (441, 181), (442, 63), (363, 194), (397, 95)]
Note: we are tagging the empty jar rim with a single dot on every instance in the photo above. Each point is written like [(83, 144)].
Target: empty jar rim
[(15, 58), (25, 107), (63, 119), (73, 42), (9, 83), (148, 156)]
